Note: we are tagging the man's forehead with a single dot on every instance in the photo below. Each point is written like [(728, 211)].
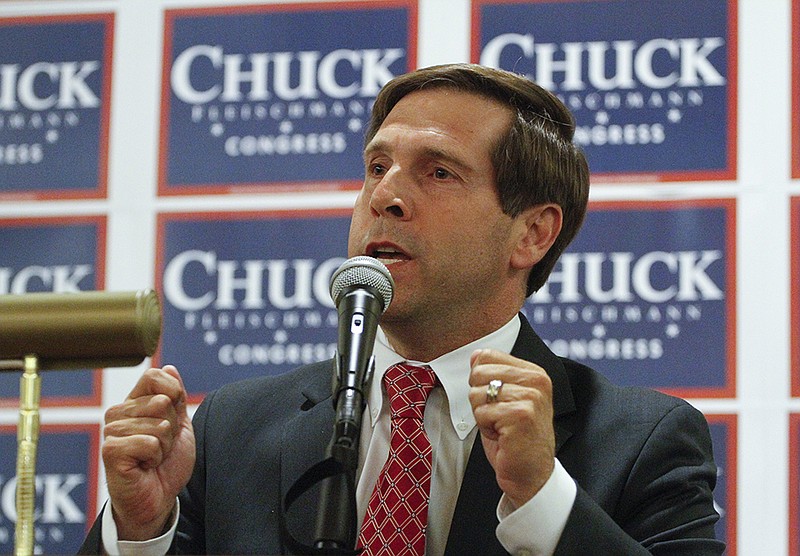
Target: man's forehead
[(451, 112)]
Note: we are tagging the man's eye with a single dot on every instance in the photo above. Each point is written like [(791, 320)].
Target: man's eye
[(441, 174), (377, 170)]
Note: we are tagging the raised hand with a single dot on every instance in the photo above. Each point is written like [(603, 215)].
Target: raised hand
[(516, 425), (149, 453)]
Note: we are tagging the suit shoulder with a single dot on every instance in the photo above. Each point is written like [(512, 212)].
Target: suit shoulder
[(308, 381), (594, 392)]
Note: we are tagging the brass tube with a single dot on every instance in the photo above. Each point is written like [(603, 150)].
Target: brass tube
[(30, 389)]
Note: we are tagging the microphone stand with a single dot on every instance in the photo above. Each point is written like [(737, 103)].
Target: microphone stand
[(336, 519), (361, 289)]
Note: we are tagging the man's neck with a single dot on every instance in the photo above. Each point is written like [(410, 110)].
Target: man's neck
[(426, 341)]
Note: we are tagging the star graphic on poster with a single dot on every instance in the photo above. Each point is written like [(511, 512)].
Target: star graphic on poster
[(602, 117), (210, 337), (598, 331), (674, 115), (51, 136), (217, 129), (354, 125), (672, 330), (281, 336), (286, 127)]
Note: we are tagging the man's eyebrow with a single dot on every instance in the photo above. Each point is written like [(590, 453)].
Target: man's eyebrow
[(449, 157), (431, 153), (374, 145)]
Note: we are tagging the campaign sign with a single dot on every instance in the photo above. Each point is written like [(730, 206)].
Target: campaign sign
[(66, 487), (53, 255), (723, 438), (276, 97), (55, 87), (794, 286), (247, 294), (646, 295), (652, 86)]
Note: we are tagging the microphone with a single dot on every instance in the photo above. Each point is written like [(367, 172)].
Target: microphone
[(361, 289), (81, 329)]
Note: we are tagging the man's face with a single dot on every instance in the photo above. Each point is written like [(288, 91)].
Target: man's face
[(429, 207)]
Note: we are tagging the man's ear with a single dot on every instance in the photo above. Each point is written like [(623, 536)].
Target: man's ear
[(539, 228)]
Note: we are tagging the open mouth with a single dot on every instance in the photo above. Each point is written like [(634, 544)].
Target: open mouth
[(388, 255)]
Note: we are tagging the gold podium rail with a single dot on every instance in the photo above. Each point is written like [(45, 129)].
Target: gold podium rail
[(49, 331)]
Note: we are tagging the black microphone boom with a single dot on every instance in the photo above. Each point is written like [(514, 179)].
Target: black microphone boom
[(361, 289)]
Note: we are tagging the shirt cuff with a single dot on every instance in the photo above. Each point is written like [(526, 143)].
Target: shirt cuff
[(535, 528), (153, 547)]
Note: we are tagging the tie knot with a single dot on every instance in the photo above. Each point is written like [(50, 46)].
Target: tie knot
[(408, 387)]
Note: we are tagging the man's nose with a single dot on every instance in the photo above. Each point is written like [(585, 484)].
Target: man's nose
[(391, 197)]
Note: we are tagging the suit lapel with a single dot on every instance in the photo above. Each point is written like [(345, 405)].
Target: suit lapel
[(474, 520), (475, 516), (305, 439), (531, 348)]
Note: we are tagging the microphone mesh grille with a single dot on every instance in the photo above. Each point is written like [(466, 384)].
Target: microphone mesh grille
[(363, 271)]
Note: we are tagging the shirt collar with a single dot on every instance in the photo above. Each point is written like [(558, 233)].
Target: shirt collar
[(452, 370)]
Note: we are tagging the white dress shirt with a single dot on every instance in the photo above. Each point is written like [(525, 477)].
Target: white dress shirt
[(532, 529)]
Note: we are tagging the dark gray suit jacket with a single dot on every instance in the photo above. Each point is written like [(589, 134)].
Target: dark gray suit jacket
[(642, 461)]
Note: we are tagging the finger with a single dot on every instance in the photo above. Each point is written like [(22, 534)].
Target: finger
[(487, 365), (524, 421), (163, 429), (181, 401), (165, 381), (149, 415), (511, 403), (527, 376), (506, 418), (126, 454), (511, 398), (488, 356), (155, 406), (507, 392), (160, 429)]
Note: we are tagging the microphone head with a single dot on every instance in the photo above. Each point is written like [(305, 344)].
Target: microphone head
[(363, 271)]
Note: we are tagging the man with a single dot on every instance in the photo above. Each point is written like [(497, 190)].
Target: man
[(472, 190)]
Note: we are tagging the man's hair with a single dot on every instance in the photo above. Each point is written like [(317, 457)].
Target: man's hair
[(535, 161)]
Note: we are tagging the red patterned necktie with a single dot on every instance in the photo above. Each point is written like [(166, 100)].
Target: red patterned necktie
[(397, 514)]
